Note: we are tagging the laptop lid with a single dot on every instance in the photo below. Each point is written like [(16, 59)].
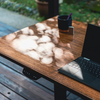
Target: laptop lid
[(91, 47)]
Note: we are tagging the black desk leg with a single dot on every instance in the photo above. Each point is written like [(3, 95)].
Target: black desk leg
[(59, 92)]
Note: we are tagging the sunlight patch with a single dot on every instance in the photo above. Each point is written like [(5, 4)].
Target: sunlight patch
[(10, 37), (47, 60)]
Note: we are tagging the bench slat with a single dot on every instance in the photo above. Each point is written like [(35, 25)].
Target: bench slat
[(22, 85)]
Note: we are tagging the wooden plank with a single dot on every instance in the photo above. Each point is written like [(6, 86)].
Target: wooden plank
[(2, 97), (10, 94), (3, 33), (19, 69), (22, 86), (17, 88), (6, 29), (40, 82), (11, 64), (10, 28)]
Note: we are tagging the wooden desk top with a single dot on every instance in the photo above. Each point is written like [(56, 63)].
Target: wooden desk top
[(44, 49)]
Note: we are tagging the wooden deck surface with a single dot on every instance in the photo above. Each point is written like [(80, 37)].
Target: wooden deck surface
[(15, 86)]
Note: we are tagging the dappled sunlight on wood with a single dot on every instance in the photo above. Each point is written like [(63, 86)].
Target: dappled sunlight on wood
[(51, 19), (79, 24), (42, 43), (27, 31), (10, 37)]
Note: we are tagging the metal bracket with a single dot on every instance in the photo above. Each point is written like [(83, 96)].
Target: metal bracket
[(31, 74)]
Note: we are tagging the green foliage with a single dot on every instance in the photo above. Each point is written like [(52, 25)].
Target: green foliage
[(95, 6), (30, 3), (79, 12), (68, 1)]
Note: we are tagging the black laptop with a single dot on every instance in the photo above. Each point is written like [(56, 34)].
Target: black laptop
[(86, 69)]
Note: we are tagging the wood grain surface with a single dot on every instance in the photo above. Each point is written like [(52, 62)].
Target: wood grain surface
[(44, 49)]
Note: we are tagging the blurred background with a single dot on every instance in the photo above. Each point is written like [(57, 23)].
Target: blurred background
[(86, 11)]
